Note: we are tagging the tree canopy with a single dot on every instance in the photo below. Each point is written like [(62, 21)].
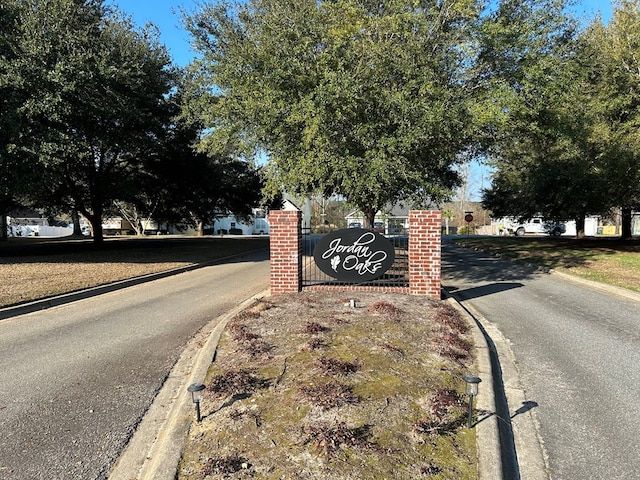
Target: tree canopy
[(367, 100), (89, 122), (191, 189), (92, 91), (374, 102), (566, 135), (613, 55)]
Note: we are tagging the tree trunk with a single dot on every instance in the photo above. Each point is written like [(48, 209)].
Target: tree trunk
[(96, 229), (200, 228), (580, 226), (96, 223), (369, 217), (626, 223), (3, 225), (75, 219)]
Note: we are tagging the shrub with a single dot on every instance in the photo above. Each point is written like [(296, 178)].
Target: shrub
[(329, 439), (329, 395), (312, 328), (384, 308), (333, 366), (223, 465), (236, 382)]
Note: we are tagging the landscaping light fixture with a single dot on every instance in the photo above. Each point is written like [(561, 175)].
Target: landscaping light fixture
[(472, 390), (196, 396)]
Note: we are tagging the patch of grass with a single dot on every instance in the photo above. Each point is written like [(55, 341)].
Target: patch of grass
[(35, 268), (610, 261), (446, 413), (249, 342), (315, 344)]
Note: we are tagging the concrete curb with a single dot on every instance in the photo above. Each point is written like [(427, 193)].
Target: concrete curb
[(62, 299), (509, 444), (487, 438), (623, 292), (154, 450)]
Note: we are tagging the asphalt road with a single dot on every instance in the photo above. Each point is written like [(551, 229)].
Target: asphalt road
[(577, 351), (75, 380)]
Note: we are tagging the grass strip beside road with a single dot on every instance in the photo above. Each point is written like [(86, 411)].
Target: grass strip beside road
[(611, 261), (31, 269)]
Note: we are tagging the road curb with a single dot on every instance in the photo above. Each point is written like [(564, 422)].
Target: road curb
[(155, 449), (487, 437), (523, 454), (623, 292), (64, 298)]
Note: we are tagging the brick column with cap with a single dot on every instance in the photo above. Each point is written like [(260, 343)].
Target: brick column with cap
[(286, 251), (425, 236)]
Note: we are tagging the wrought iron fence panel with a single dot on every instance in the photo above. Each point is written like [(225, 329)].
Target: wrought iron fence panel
[(396, 276)]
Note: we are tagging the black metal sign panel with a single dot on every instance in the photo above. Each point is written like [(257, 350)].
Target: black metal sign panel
[(354, 255)]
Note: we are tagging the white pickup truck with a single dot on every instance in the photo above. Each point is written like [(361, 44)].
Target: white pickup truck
[(536, 226)]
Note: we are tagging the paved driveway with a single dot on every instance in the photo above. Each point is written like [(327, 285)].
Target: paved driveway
[(577, 351), (76, 379)]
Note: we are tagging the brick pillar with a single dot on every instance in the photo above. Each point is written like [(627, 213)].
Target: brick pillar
[(425, 234), (286, 251)]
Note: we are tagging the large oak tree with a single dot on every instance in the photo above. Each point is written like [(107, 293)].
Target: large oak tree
[(365, 99), (613, 62), (566, 137), (91, 92)]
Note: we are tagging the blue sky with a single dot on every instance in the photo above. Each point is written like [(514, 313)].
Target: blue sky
[(165, 14)]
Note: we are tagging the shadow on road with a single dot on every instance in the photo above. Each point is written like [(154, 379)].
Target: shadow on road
[(526, 406), (481, 272), (475, 292)]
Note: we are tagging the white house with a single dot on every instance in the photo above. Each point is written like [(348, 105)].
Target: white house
[(392, 222), (32, 226), (257, 224)]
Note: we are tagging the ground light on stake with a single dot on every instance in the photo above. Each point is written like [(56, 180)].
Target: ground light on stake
[(196, 396), (472, 390)]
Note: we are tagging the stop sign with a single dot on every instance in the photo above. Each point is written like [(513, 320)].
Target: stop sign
[(468, 218)]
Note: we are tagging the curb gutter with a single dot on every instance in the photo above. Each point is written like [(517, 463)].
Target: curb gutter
[(508, 440), (154, 450)]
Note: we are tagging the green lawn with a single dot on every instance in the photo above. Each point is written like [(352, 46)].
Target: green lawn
[(605, 260)]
